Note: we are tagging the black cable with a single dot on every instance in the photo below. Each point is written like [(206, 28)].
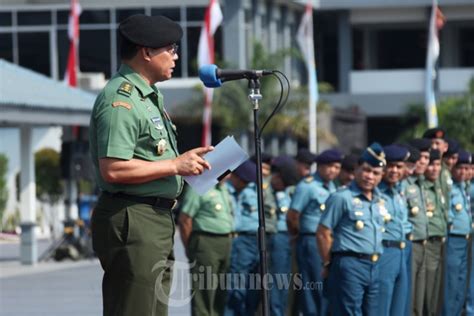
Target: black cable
[(280, 104)]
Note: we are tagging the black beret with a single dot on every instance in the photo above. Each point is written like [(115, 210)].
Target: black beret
[(349, 163), (396, 153), (436, 132), (453, 147), (374, 156), (247, 171), (305, 156), (329, 156), (464, 157), (286, 167), (150, 31), (435, 154), (422, 144)]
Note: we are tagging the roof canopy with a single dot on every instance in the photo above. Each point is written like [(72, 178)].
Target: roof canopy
[(29, 98)]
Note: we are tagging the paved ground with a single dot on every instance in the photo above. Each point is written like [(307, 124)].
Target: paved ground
[(67, 287)]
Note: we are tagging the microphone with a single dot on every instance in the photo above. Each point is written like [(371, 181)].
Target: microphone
[(213, 77)]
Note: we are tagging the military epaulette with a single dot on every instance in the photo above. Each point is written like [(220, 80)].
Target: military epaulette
[(125, 88), (309, 179)]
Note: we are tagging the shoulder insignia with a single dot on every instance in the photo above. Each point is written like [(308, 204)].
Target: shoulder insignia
[(308, 179), (125, 88), (123, 104)]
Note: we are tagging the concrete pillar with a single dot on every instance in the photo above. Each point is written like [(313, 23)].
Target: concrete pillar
[(28, 246), (345, 50), (234, 33)]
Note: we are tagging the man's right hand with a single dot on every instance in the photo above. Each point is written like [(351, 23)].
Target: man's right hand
[(191, 162)]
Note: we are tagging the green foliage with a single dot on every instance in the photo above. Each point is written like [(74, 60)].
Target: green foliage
[(48, 179), (233, 111), (455, 114), (3, 184)]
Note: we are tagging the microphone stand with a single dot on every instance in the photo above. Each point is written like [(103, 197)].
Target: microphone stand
[(255, 97)]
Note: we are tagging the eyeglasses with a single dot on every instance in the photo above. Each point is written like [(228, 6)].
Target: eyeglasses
[(174, 49)]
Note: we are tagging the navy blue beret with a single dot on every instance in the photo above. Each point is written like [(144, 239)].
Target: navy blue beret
[(150, 31), (305, 156), (266, 158), (435, 154), (286, 167), (247, 171), (422, 144), (464, 157), (453, 147), (414, 153), (374, 156), (396, 153), (436, 132), (329, 156)]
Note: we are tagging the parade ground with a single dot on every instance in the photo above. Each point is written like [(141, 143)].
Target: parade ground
[(65, 288)]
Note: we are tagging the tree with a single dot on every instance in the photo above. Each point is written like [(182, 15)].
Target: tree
[(233, 112), (48, 179), (455, 114), (3, 185)]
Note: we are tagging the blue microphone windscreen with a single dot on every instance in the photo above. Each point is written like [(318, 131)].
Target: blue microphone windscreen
[(208, 75)]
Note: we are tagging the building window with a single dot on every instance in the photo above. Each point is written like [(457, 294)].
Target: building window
[(94, 17), (6, 46), (399, 49), (195, 14), (94, 51), (63, 52), (34, 18), (34, 52), (123, 14), (5, 19), (466, 47), (171, 13)]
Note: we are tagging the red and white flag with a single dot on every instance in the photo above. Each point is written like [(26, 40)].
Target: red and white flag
[(70, 77), (212, 20)]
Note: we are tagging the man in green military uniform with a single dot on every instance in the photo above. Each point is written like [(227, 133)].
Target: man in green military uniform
[(138, 169), (414, 196), (437, 229), (206, 223)]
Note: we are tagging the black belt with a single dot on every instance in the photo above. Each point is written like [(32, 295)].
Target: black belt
[(420, 241), (203, 233), (394, 244), (372, 257), (437, 238), (150, 200), (465, 236), (307, 234)]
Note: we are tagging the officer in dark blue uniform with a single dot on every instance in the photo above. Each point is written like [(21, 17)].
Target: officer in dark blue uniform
[(459, 232), (244, 255), (307, 205), (284, 177), (350, 238), (393, 280)]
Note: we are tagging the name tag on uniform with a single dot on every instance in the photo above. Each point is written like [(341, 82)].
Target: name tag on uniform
[(157, 122)]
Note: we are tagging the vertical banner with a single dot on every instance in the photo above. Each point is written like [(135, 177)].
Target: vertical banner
[(70, 77), (212, 19), (432, 53), (306, 44)]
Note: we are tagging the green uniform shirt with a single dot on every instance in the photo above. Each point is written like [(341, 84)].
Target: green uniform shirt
[(270, 207), (128, 121), (435, 206), (212, 212), (416, 208)]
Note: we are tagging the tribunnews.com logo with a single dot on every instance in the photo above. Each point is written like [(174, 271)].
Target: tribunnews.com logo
[(204, 279)]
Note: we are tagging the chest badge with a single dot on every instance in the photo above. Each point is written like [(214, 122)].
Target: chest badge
[(414, 210), (161, 147), (157, 122)]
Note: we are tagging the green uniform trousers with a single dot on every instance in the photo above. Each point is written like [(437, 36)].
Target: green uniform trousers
[(434, 259), (209, 257), (134, 243), (418, 278)]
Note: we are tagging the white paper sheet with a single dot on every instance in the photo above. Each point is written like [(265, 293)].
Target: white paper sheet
[(226, 156)]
